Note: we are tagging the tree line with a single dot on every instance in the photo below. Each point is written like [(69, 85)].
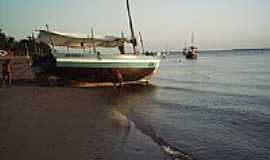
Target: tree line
[(22, 46)]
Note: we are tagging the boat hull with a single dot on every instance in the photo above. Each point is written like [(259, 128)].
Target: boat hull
[(127, 68), (104, 74), (192, 56)]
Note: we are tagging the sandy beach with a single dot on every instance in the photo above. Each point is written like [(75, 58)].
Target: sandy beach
[(39, 122)]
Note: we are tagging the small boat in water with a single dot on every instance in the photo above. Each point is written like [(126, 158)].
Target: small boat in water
[(191, 52), (93, 66)]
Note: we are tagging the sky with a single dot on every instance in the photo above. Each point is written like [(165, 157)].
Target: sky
[(216, 24)]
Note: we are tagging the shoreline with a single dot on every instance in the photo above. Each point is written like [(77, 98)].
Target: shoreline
[(167, 149), (68, 123), (25, 102)]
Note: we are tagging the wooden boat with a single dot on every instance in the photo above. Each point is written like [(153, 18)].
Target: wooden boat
[(102, 68), (93, 66)]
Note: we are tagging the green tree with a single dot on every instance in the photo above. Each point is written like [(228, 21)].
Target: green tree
[(3, 40)]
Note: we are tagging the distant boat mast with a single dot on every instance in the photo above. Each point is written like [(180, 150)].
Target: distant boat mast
[(192, 39)]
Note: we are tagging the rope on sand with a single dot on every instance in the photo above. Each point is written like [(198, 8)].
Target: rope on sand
[(191, 71), (198, 73)]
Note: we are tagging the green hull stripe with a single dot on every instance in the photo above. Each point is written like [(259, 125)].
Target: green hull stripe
[(107, 65)]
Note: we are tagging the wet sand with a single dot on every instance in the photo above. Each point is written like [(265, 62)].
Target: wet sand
[(38, 122)]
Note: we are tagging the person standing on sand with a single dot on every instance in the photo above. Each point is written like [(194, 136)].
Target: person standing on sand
[(7, 72)]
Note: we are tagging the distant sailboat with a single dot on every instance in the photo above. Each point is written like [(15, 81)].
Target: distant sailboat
[(191, 52)]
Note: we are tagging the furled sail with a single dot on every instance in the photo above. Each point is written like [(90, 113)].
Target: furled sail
[(72, 41)]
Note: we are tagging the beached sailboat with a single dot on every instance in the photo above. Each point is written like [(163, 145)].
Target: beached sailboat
[(93, 66)]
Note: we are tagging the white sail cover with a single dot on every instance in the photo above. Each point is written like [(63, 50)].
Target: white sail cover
[(73, 41)]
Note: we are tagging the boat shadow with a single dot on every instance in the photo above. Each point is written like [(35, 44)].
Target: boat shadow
[(126, 87)]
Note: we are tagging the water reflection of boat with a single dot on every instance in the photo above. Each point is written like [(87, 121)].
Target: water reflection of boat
[(93, 66)]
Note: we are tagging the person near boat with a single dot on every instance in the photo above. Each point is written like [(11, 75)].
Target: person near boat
[(121, 49), (7, 71)]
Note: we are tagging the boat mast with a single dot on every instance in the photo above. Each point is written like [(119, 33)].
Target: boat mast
[(133, 39), (33, 41), (192, 39), (47, 26), (93, 42), (166, 49), (141, 40), (122, 34)]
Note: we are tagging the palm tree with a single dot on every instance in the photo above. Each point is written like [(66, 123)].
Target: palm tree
[(3, 40), (10, 43)]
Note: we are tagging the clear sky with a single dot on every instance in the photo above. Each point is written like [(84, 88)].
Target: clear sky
[(217, 24)]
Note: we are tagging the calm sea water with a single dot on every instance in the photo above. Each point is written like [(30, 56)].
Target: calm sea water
[(214, 108)]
